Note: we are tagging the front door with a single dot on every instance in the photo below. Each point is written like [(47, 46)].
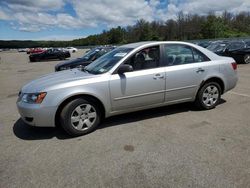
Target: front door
[(144, 86)]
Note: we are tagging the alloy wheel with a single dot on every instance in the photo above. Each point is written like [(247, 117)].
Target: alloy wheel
[(210, 95), (83, 117), (247, 59)]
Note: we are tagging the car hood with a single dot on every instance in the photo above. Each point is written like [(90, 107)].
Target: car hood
[(54, 80), (71, 62)]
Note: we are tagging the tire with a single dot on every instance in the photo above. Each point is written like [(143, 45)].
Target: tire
[(80, 116), (32, 60), (208, 96), (61, 58), (246, 59)]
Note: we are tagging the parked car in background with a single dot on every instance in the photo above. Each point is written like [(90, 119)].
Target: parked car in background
[(89, 57), (22, 50), (35, 50), (131, 77), (235, 49), (71, 49), (203, 44), (49, 54)]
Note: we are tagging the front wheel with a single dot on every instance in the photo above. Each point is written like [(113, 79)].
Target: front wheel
[(247, 59), (61, 57), (80, 116), (208, 96)]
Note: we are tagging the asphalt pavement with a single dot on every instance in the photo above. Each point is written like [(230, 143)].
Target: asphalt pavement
[(174, 146)]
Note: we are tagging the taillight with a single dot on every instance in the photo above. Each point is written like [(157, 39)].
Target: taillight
[(234, 65)]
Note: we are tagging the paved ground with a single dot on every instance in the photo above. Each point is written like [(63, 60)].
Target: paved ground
[(174, 146)]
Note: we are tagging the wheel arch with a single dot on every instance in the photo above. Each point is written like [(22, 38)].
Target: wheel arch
[(213, 79), (70, 98)]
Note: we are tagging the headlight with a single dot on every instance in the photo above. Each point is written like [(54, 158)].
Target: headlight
[(34, 98)]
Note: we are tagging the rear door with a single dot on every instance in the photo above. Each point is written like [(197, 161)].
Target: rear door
[(186, 68)]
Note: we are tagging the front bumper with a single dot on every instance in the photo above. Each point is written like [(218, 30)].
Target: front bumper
[(37, 114)]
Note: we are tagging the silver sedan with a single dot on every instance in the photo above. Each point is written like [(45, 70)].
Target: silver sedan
[(131, 77)]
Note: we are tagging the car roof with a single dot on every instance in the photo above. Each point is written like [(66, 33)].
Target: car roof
[(146, 43)]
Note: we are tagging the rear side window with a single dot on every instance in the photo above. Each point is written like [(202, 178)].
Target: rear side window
[(199, 57), (178, 54)]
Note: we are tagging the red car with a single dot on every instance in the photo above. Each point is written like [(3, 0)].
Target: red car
[(35, 50)]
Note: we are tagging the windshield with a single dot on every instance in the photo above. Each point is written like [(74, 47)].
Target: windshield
[(90, 53), (217, 47), (107, 61)]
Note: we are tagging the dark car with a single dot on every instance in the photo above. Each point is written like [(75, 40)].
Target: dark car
[(49, 54), (203, 44), (89, 57), (235, 49)]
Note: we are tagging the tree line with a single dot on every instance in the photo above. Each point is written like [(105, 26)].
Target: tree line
[(184, 27)]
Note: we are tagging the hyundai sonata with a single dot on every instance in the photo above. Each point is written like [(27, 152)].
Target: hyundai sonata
[(129, 78)]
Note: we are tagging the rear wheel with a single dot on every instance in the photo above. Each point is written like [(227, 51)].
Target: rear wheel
[(80, 116), (208, 96), (247, 59)]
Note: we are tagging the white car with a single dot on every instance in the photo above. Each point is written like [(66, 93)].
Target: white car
[(71, 49)]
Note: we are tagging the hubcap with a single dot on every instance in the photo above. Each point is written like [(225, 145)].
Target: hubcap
[(247, 59), (83, 117), (210, 95)]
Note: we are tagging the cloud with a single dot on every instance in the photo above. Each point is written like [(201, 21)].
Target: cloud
[(31, 5), (34, 16), (3, 15), (112, 12)]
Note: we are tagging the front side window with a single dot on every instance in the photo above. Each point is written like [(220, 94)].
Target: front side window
[(146, 58)]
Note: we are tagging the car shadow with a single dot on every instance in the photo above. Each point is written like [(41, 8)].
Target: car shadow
[(150, 113), (26, 132)]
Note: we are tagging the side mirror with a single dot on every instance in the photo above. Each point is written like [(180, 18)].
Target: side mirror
[(226, 50), (125, 68)]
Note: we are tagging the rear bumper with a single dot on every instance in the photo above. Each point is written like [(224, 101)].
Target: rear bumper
[(36, 114)]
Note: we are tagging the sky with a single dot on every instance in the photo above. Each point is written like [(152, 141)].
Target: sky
[(72, 19)]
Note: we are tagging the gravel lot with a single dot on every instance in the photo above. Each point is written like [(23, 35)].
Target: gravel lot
[(174, 146)]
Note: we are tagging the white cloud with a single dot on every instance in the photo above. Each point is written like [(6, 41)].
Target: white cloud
[(206, 6), (112, 12), (33, 16), (33, 5)]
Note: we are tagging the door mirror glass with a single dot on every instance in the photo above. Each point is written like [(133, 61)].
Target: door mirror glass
[(125, 68)]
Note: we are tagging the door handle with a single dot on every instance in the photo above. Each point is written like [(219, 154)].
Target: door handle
[(200, 70), (158, 76)]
